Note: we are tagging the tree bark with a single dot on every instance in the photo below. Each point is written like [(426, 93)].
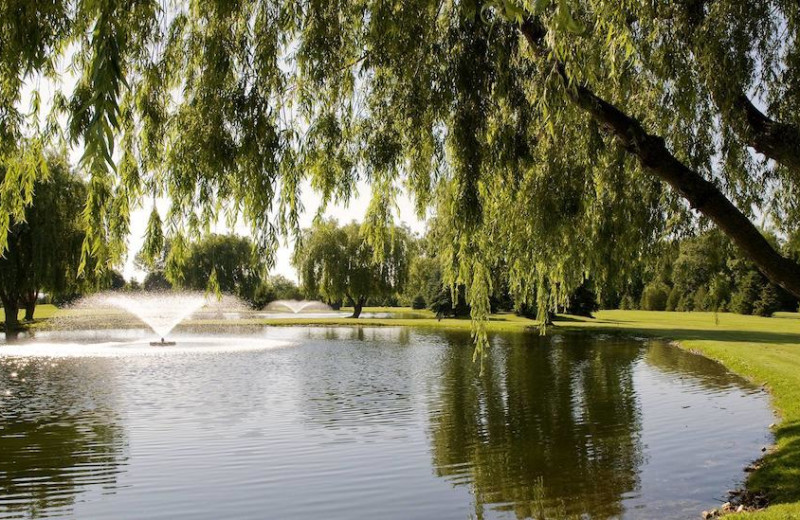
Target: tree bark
[(358, 306), (773, 139), (702, 195), (11, 308), (29, 303)]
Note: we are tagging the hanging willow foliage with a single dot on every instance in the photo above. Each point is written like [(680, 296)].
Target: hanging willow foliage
[(559, 138)]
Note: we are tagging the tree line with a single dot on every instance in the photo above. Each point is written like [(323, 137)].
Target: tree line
[(705, 272), (343, 265)]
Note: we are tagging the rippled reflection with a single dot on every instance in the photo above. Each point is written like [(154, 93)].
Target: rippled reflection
[(59, 436), (545, 431), (380, 423)]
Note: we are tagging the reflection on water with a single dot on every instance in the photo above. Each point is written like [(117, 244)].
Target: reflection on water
[(375, 423), (59, 436), (545, 430)]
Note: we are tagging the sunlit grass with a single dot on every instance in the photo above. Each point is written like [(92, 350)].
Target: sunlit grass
[(42, 312)]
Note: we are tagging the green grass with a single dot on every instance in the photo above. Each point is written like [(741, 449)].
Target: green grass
[(423, 318), (42, 312), (765, 350)]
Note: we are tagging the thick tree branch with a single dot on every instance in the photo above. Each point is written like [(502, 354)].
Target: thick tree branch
[(702, 195), (775, 140)]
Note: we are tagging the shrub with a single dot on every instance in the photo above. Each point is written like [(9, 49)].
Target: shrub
[(768, 302), (673, 299), (418, 302), (654, 297)]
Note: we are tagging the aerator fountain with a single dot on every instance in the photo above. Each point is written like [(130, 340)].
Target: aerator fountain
[(162, 312)]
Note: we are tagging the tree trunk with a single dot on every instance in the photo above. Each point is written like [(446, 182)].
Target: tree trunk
[(29, 303), (776, 140), (702, 195), (358, 305), (11, 308)]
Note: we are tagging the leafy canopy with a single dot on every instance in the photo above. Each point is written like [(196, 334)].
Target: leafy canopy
[(218, 263), (44, 247), (235, 105)]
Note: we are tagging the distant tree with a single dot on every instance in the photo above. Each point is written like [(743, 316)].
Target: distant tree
[(673, 299), (424, 279), (44, 249), (156, 281), (338, 263), (654, 297), (152, 259), (719, 293), (229, 261), (443, 306), (582, 301), (701, 301), (275, 288), (748, 291), (115, 281), (768, 302)]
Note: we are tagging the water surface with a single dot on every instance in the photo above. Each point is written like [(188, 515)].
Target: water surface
[(378, 423)]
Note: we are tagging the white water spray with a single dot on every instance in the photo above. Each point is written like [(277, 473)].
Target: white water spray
[(298, 306), (162, 312)]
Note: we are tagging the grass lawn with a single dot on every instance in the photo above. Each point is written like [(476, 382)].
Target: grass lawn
[(765, 350), (410, 318), (42, 312)]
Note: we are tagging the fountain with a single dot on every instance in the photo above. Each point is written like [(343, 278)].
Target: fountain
[(297, 306), (104, 325), (162, 312)]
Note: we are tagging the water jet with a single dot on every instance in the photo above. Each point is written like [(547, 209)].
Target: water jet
[(297, 306), (161, 311)]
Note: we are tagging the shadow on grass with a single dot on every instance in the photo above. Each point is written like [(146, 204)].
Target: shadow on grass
[(732, 336), (779, 474), (569, 319)]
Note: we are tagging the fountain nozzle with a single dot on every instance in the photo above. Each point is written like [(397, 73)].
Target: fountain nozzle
[(161, 343)]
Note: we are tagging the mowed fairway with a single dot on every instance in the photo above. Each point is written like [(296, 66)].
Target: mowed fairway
[(42, 312)]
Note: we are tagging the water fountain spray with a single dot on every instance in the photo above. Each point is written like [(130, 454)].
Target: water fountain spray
[(162, 312)]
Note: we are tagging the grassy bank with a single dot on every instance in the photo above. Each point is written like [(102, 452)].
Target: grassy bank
[(765, 350)]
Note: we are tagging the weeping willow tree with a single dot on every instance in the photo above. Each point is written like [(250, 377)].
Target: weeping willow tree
[(562, 137), (339, 264)]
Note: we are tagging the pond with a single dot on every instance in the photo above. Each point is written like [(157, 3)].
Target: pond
[(377, 423)]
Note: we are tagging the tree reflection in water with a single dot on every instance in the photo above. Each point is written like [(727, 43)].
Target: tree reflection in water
[(550, 429), (58, 435)]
